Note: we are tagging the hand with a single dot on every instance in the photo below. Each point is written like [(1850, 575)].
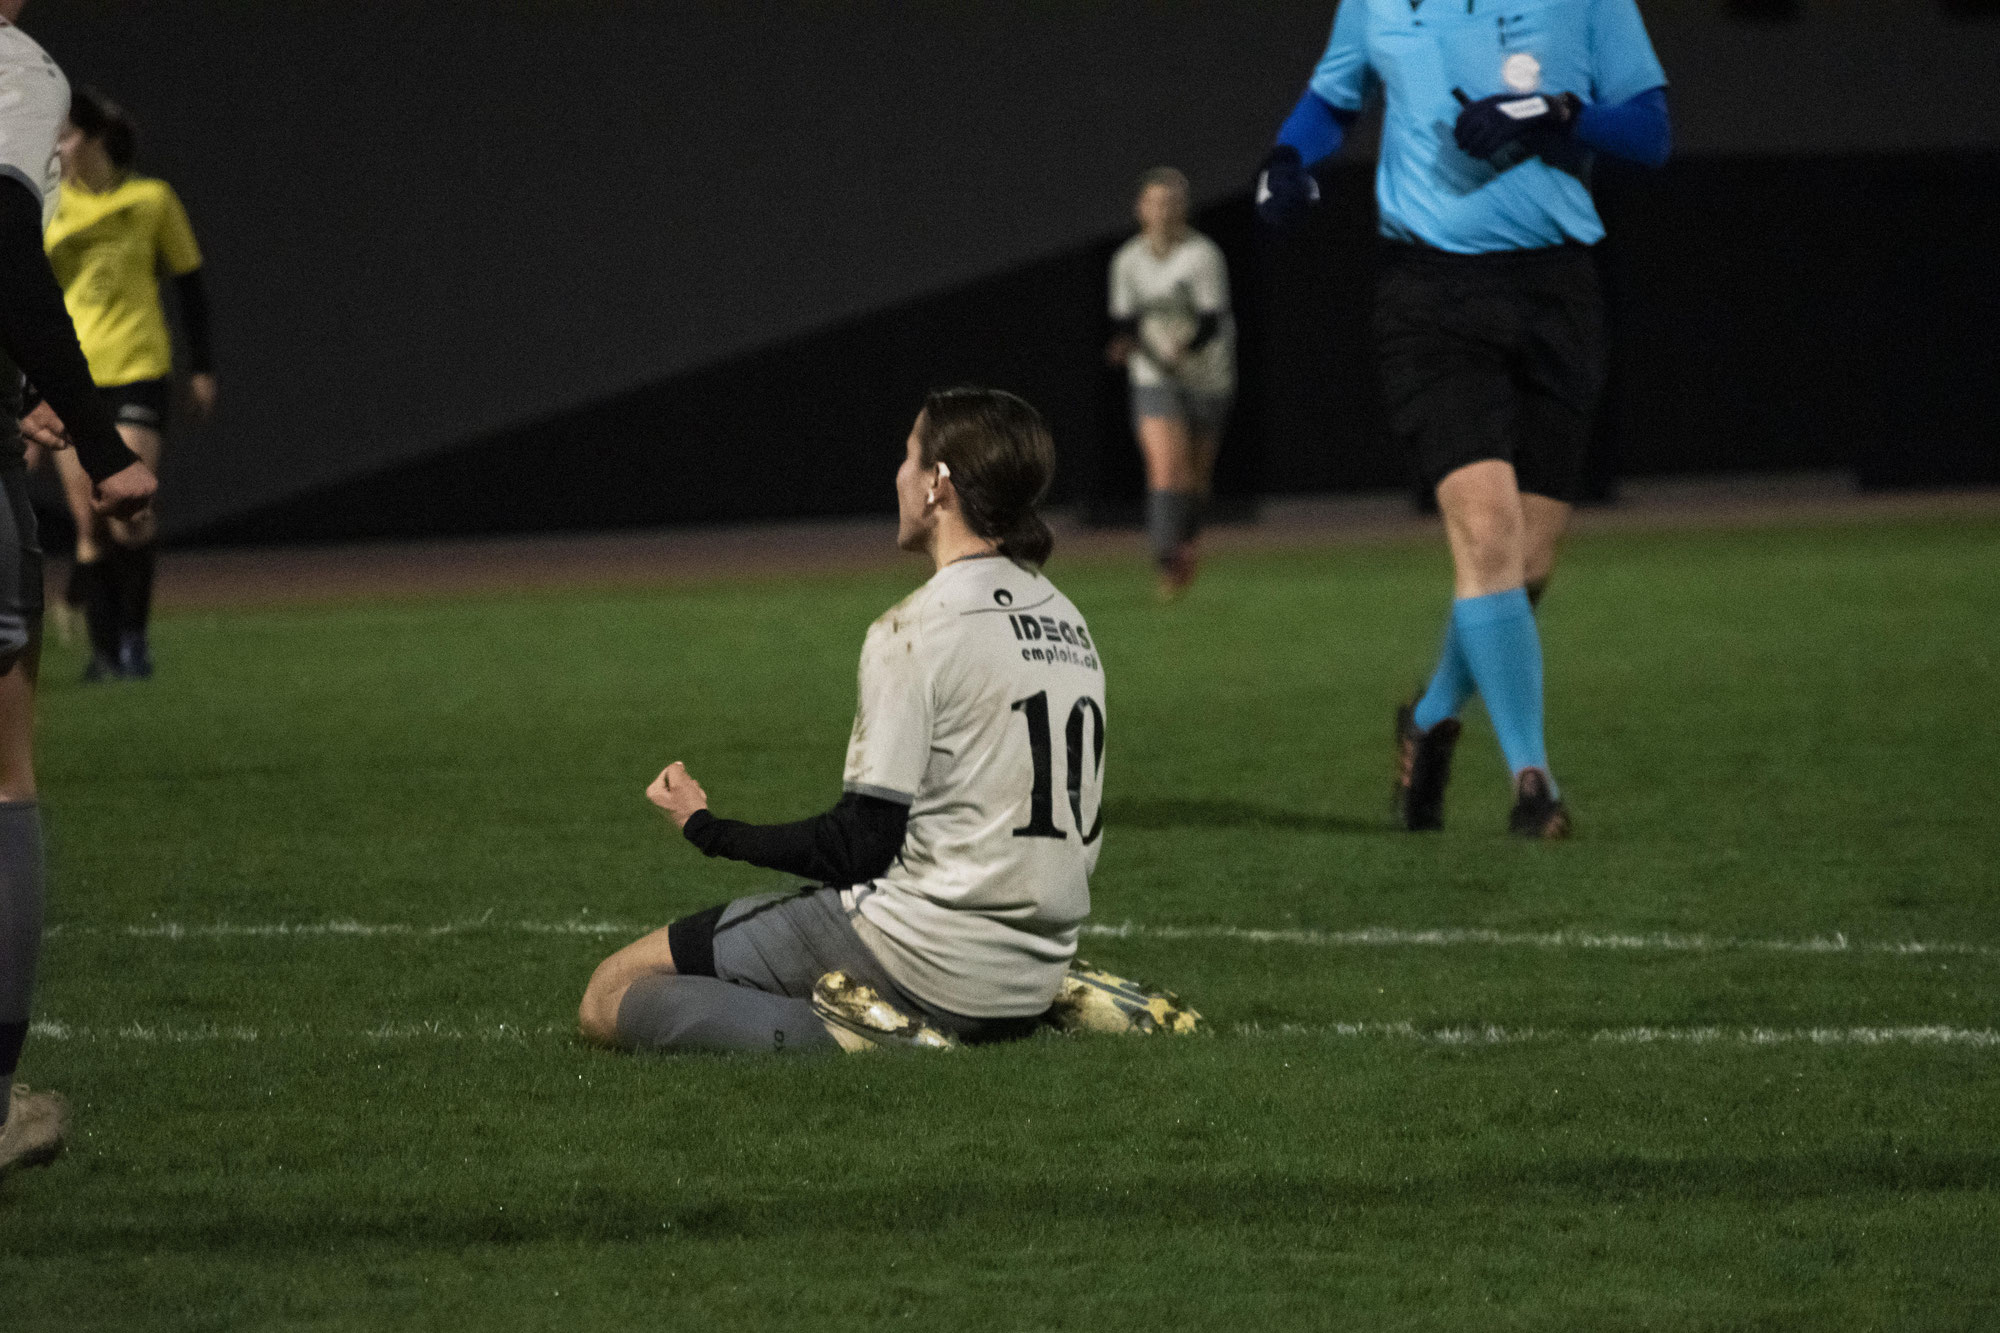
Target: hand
[(1286, 191), (126, 493), (1490, 124), (677, 793), (44, 428), (201, 396), (1119, 350)]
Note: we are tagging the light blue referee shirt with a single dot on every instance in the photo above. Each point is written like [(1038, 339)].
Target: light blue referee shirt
[(1419, 50)]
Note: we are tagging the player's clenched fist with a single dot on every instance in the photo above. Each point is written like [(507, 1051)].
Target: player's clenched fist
[(677, 793)]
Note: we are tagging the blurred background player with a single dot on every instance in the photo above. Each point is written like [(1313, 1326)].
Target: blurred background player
[(114, 232), (958, 873), (1177, 342), (36, 337), (1488, 319)]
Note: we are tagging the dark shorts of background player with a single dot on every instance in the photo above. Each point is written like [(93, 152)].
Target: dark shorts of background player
[(1204, 413), (20, 557), (1492, 356), (145, 403), (783, 943)]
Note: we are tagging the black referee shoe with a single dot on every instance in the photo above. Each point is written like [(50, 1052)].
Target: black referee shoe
[(1423, 767), (1537, 813)]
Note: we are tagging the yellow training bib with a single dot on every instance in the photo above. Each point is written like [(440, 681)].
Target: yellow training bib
[(107, 250)]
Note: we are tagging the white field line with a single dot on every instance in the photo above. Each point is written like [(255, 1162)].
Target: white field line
[(1489, 1035), (435, 1030), (1368, 937), (1389, 937)]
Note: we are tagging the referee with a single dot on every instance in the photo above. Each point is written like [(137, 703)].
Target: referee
[(1488, 321)]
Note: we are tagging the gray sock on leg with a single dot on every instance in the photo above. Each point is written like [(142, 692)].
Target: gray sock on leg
[(1168, 514), (665, 1012), (21, 908)]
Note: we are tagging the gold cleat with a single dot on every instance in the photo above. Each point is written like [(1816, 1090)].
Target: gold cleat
[(33, 1134), (861, 1020), (1093, 1000)]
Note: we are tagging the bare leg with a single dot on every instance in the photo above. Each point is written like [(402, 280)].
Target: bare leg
[(1484, 521), (1545, 521), (597, 1016), (1169, 453), (77, 493)]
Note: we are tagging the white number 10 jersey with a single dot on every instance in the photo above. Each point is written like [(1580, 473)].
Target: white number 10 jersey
[(982, 709)]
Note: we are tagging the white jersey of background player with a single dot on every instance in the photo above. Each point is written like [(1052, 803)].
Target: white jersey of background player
[(1170, 295)]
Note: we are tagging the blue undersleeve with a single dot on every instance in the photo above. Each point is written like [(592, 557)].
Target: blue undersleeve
[(1316, 127), (1636, 130)]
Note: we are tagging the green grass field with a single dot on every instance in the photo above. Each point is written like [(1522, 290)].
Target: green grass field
[(1676, 1074)]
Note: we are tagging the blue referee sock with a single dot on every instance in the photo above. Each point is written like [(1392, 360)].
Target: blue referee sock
[(1503, 651), (1451, 683)]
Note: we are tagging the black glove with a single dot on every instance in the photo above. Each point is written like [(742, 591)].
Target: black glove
[(1490, 124), (1286, 191)]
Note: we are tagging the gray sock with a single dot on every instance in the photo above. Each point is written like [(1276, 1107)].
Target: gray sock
[(1197, 509), (20, 930), (1168, 515), (665, 1012)]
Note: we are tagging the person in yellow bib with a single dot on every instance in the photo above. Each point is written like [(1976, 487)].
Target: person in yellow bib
[(114, 233)]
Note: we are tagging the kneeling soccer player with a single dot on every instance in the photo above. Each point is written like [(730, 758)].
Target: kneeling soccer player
[(957, 863)]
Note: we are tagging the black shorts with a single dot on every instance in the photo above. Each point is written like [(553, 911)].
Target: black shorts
[(140, 403), (1492, 356)]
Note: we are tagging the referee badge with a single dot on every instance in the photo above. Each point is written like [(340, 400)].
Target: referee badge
[(1521, 72)]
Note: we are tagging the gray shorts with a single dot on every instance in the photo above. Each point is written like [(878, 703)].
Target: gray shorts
[(1204, 413), (783, 943), (20, 562)]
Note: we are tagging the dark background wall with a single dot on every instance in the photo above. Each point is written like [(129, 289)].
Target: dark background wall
[(524, 264)]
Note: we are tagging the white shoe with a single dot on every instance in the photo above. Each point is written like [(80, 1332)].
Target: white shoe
[(1093, 1000), (33, 1134), (861, 1020)]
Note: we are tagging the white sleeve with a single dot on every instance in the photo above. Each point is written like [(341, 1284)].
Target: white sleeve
[(34, 99), (891, 743), (1211, 281), (1124, 300)]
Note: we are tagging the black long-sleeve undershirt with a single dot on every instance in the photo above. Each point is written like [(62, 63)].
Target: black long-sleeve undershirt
[(1205, 330), (193, 297), (852, 843), (36, 333)]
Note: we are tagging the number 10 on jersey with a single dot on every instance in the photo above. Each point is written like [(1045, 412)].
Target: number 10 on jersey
[(1084, 716)]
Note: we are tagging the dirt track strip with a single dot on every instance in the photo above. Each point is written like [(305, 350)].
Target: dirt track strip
[(295, 575)]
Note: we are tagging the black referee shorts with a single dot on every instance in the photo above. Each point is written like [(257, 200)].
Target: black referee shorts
[(141, 403), (1492, 356)]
